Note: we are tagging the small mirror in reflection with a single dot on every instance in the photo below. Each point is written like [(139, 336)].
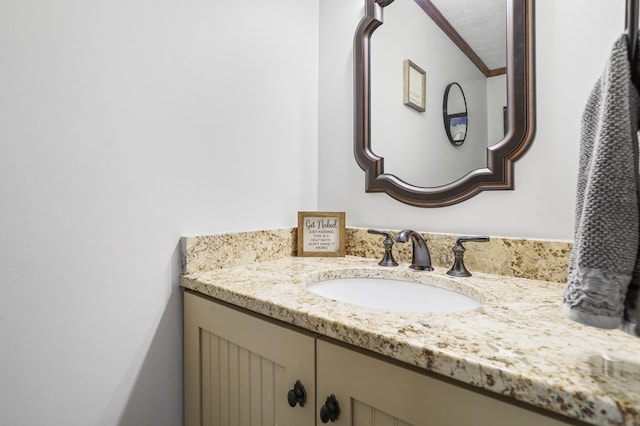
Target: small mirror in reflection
[(454, 111)]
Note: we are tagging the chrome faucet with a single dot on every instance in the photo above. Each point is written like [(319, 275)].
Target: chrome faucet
[(421, 259)]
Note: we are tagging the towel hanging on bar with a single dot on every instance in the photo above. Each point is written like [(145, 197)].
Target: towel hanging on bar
[(604, 270)]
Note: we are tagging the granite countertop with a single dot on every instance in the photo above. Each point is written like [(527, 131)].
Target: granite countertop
[(516, 344)]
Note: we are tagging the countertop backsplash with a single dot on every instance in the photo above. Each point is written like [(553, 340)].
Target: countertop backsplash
[(522, 258)]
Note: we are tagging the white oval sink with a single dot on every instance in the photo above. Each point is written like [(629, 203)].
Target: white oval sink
[(394, 295)]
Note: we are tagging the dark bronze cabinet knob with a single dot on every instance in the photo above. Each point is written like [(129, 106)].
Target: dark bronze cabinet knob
[(297, 395), (330, 411)]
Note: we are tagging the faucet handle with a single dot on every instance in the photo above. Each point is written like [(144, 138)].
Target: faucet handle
[(458, 269), (388, 259), (475, 238)]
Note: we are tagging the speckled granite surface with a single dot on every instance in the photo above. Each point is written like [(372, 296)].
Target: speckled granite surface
[(202, 253), (542, 260), (535, 259), (516, 344)]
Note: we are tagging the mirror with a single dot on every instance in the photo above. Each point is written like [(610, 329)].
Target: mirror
[(405, 151), (455, 114)]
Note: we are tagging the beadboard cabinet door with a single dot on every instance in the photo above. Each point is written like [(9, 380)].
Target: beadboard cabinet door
[(239, 368), (372, 392)]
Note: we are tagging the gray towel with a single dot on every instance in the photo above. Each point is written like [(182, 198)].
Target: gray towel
[(604, 271)]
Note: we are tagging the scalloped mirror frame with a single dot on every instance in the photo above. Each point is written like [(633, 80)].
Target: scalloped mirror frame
[(499, 174)]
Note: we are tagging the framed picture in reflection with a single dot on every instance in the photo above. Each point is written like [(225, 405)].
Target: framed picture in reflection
[(415, 86)]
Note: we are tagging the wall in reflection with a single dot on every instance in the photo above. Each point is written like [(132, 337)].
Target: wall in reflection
[(414, 144)]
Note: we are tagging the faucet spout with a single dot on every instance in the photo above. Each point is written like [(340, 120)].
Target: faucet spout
[(421, 259)]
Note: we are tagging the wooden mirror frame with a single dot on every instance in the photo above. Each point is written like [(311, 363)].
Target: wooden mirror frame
[(498, 175)]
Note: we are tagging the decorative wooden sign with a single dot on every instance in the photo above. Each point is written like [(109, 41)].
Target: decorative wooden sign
[(321, 234)]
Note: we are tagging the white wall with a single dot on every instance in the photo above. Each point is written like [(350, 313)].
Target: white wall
[(496, 101), (125, 124), (573, 40)]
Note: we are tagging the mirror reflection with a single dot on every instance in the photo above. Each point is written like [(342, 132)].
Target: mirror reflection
[(462, 41), (436, 181)]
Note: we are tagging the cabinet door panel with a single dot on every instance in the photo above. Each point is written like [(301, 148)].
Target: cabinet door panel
[(255, 391), (238, 368), (372, 392), (244, 357), (365, 415)]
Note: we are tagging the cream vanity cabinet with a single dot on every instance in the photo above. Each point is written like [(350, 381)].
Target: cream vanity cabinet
[(372, 391), (239, 369)]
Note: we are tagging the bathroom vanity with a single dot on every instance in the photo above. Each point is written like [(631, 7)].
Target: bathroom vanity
[(253, 329), (242, 368)]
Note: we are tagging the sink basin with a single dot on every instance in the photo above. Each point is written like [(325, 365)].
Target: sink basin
[(393, 295)]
